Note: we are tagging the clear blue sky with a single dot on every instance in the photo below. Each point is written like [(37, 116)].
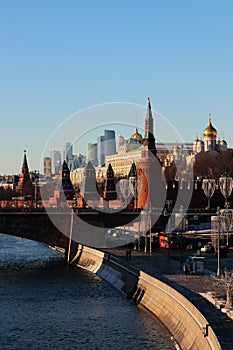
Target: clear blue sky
[(58, 57)]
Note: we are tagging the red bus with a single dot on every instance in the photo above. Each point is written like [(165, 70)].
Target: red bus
[(168, 240)]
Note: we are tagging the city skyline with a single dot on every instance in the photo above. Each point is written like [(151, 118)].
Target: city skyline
[(73, 151), (54, 65)]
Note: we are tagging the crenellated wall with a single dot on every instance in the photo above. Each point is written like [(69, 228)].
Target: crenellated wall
[(184, 321)]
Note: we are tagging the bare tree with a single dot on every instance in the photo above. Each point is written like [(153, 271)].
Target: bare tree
[(225, 281)]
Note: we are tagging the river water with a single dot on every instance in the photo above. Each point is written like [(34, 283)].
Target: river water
[(45, 305)]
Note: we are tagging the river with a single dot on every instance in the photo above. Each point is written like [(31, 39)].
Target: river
[(46, 305)]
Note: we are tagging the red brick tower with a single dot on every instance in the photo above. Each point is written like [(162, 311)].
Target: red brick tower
[(24, 187), (148, 168)]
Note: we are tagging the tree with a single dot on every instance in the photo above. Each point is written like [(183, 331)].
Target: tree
[(170, 172), (227, 162), (225, 281)]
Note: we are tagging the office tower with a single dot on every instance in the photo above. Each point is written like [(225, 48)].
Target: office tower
[(92, 153), (68, 155), (79, 160), (101, 150), (56, 162), (110, 142), (47, 166), (121, 140), (67, 151)]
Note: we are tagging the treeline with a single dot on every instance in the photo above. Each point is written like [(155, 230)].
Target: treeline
[(207, 165)]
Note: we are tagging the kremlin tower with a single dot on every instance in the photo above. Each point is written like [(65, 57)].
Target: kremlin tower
[(24, 187), (149, 140), (148, 168), (110, 188)]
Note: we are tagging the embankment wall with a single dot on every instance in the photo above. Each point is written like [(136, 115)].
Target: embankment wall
[(184, 321)]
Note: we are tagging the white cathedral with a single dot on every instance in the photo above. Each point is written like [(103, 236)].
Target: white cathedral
[(210, 142)]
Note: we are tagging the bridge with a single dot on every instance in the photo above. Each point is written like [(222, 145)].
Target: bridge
[(60, 226), (53, 227)]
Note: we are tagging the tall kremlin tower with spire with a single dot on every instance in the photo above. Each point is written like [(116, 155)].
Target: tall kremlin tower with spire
[(149, 139), (24, 187), (148, 167)]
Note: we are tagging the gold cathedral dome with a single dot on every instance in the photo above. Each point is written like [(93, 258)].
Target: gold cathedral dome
[(137, 136), (210, 131)]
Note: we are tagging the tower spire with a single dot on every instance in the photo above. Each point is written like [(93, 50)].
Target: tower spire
[(24, 186), (149, 140), (25, 169)]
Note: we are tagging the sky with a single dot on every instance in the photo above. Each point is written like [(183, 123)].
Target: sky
[(61, 57)]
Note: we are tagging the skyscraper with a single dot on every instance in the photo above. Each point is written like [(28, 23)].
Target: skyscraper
[(68, 155), (56, 162), (109, 142), (101, 150), (67, 151), (92, 153), (47, 166)]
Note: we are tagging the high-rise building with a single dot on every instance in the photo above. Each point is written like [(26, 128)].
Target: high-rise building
[(121, 141), (92, 153), (56, 162), (109, 142), (67, 151), (79, 160), (101, 150), (47, 166), (68, 155)]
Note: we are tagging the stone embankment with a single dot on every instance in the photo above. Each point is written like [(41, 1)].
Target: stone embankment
[(186, 323)]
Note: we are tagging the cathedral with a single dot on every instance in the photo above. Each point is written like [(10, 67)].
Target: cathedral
[(210, 143)]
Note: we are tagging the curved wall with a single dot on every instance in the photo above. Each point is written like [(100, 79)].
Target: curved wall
[(186, 324)]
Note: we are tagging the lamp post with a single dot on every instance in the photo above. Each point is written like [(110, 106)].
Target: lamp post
[(218, 242), (146, 222), (227, 220), (208, 186), (226, 186), (70, 235), (150, 228), (36, 179)]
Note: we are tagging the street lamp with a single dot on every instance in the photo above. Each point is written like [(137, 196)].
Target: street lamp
[(227, 215), (208, 186), (218, 243), (150, 228), (36, 180), (226, 186), (146, 222)]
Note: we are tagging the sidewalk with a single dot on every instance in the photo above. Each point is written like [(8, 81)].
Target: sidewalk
[(193, 287)]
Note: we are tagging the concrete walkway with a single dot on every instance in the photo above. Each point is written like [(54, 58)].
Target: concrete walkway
[(169, 270)]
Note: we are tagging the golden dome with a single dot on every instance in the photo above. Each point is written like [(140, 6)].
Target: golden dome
[(210, 131), (136, 135), (176, 148)]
